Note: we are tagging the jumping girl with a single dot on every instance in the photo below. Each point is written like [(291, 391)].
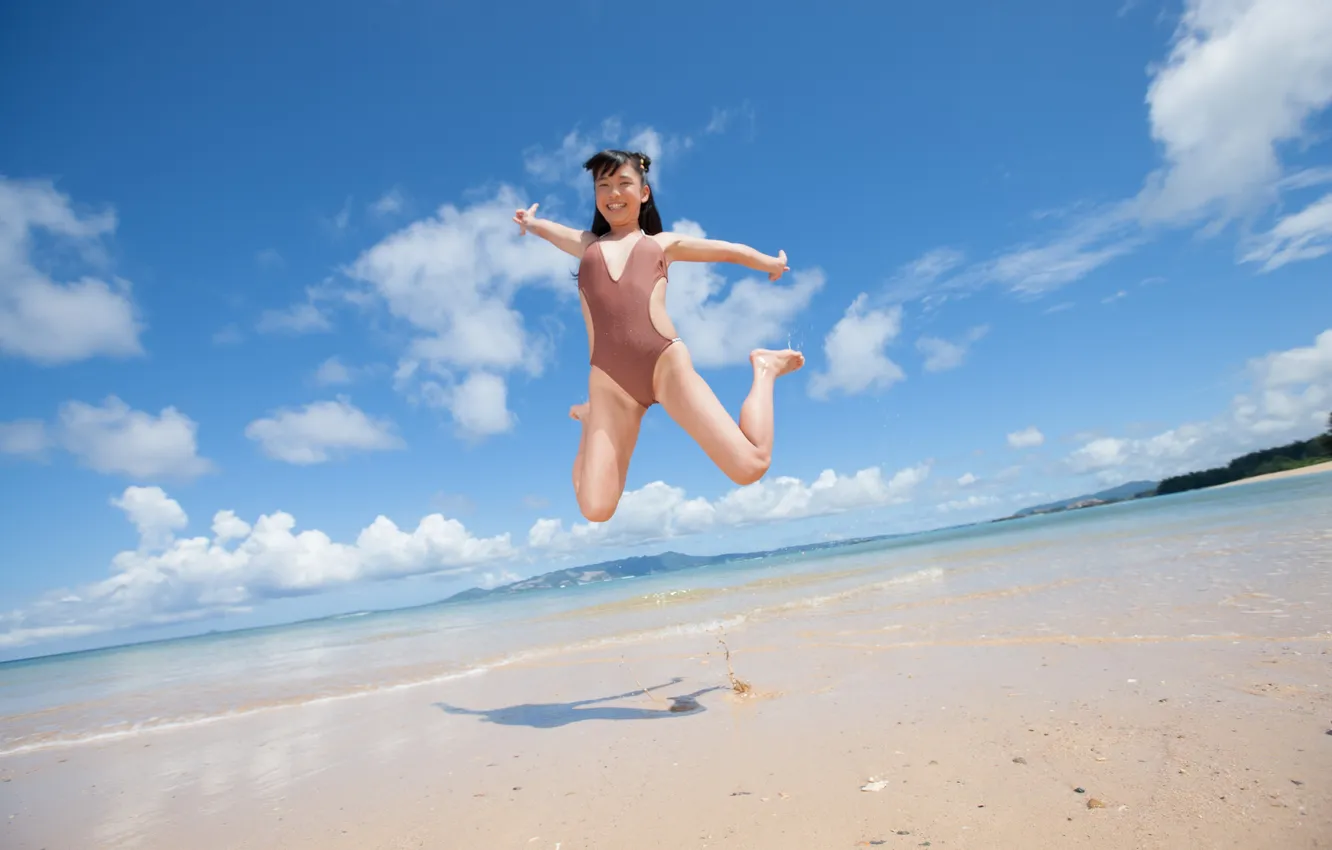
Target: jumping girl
[(636, 358)]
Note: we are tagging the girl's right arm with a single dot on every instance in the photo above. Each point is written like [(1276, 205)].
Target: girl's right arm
[(567, 239)]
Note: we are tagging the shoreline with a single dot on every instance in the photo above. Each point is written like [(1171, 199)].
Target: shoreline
[(1121, 689), (1311, 469)]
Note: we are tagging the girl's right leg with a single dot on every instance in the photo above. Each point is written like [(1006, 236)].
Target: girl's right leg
[(611, 420)]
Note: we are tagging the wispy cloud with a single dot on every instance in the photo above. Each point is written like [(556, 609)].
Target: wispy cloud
[(1241, 81), (942, 355)]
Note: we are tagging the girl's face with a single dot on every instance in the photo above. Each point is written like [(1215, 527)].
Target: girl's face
[(620, 194)]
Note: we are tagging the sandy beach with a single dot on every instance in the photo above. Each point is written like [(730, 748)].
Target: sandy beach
[(1164, 688), (1312, 469)]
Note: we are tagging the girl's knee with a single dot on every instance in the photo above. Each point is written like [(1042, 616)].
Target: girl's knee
[(749, 468), (597, 507)]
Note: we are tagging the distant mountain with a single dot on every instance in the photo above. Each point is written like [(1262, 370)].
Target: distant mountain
[(642, 565), (1122, 493)]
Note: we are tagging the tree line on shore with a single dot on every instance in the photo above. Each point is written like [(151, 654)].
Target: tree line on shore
[(1279, 459)]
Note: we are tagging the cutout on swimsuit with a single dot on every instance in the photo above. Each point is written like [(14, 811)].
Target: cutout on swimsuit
[(625, 343)]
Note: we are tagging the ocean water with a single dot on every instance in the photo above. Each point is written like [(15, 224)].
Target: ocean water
[(73, 699)]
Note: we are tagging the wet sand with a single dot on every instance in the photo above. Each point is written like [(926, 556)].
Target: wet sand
[(1180, 700)]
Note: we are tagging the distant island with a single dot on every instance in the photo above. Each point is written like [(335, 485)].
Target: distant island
[(1291, 456), (644, 565)]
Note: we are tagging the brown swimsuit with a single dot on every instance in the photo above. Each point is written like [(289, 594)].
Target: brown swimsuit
[(625, 343)]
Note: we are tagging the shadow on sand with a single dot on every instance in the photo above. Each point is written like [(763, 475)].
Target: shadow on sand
[(549, 715)]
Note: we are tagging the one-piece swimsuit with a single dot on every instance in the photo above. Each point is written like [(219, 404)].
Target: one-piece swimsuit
[(625, 343)]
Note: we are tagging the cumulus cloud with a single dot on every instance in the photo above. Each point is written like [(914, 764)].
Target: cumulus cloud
[(48, 321), (659, 511), (480, 405), (755, 312), (966, 480), (112, 438), (1289, 398), (1243, 77), (1026, 438), (452, 279), (855, 351), (942, 355), (156, 515), (320, 431), (169, 579)]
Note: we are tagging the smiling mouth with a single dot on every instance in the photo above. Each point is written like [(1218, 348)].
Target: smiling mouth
[(616, 207)]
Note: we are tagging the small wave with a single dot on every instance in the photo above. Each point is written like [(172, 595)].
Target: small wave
[(47, 741)]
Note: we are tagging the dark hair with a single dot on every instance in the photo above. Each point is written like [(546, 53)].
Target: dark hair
[(610, 161)]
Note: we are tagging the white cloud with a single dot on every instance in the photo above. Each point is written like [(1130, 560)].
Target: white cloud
[(855, 351), (755, 313), (452, 279), (300, 318), (1289, 399), (1026, 438), (1091, 242), (942, 355), (658, 510), (565, 165), (966, 480), (1304, 235), (168, 579), (1242, 78), (113, 438), (919, 278), (153, 513), (969, 503), (390, 203), (333, 372), (47, 321), (321, 430), (722, 119), (270, 258), (480, 405), (25, 437)]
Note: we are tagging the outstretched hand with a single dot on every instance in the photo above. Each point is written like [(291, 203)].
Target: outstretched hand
[(777, 267), (524, 219)]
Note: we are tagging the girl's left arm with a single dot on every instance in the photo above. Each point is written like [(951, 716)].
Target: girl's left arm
[(679, 247)]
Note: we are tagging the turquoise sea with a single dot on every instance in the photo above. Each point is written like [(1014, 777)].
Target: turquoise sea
[(67, 700)]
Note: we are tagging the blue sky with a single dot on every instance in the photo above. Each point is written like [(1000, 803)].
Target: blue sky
[(271, 347)]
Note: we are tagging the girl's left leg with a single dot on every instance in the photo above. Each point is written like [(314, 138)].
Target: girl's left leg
[(742, 451)]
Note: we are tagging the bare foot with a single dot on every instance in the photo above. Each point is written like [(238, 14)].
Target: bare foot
[(579, 411), (784, 362)]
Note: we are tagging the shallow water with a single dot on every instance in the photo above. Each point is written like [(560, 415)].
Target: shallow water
[(1275, 536)]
